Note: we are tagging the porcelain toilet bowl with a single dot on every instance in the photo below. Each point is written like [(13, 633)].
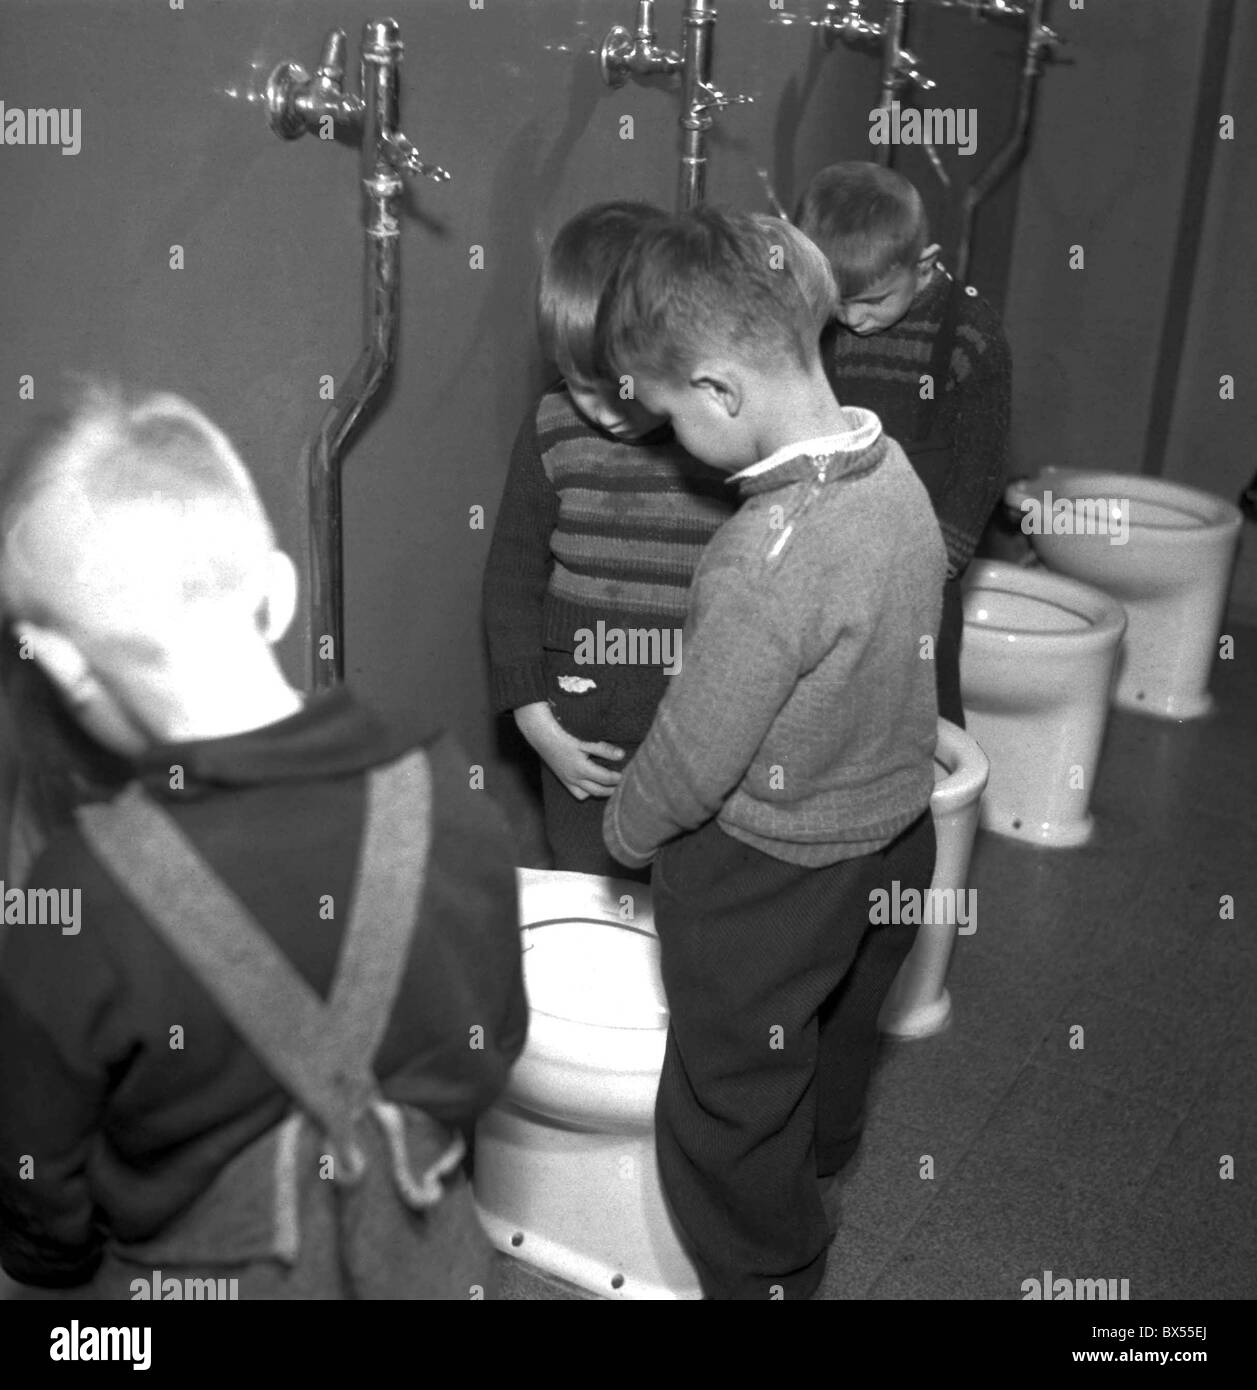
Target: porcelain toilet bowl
[(565, 1170), (1036, 671), (918, 1004), (1171, 573)]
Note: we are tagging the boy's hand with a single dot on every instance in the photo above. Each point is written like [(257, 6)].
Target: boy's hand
[(567, 756)]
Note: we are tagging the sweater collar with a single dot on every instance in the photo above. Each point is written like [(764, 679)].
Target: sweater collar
[(331, 735), (855, 451)]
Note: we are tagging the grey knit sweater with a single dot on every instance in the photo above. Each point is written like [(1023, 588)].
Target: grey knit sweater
[(804, 715)]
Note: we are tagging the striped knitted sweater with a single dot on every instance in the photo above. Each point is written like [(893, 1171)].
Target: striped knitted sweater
[(804, 718), (590, 528), (882, 373)]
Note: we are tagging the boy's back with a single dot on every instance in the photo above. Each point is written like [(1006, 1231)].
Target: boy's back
[(812, 601), (122, 1073), (150, 1050)]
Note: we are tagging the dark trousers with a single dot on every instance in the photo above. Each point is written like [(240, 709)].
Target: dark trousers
[(947, 653), (774, 978)]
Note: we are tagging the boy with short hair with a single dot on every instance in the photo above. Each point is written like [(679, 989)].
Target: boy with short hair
[(290, 904), (602, 520), (903, 319), (788, 772)]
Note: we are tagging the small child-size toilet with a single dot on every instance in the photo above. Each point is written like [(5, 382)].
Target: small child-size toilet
[(1036, 671), (565, 1170), (1163, 550)]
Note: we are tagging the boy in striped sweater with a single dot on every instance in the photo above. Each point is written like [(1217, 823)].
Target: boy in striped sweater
[(901, 320), (602, 522)]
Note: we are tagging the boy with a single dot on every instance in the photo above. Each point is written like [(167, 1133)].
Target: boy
[(602, 521), (273, 854), (788, 772), (903, 318)]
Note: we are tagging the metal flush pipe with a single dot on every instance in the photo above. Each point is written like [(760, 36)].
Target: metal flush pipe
[(626, 55), (298, 103), (899, 64), (893, 29), (1040, 41)]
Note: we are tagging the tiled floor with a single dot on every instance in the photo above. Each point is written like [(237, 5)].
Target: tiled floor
[(1103, 1161)]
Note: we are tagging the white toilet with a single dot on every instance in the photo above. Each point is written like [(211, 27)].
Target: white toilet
[(1036, 673), (918, 1004), (1171, 573), (565, 1169)]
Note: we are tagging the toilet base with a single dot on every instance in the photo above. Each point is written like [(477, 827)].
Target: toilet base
[(1047, 835), (1162, 706), (584, 1206), (923, 1021)]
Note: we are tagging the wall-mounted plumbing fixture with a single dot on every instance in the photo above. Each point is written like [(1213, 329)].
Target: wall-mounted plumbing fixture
[(639, 56), (901, 71), (1041, 43), (626, 55), (298, 103)]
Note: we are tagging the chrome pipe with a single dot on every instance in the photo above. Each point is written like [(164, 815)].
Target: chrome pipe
[(381, 191), (696, 119), (626, 55), (1039, 42), (698, 100), (893, 30), (297, 104)]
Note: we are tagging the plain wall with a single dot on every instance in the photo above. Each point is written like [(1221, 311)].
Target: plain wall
[(1106, 171), (1209, 440), (177, 151)]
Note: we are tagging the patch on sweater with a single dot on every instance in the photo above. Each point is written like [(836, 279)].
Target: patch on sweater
[(576, 685)]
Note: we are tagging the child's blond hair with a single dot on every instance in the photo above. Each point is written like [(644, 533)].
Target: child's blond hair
[(123, 521)]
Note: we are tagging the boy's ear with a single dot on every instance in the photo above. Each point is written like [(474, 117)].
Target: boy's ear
[(720, 387), (61, 659), (279, 606), (927, 261)]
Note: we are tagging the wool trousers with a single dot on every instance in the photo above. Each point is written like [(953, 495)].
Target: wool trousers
[(774, 978)]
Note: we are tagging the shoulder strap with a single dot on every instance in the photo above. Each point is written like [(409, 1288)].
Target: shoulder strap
[(940, 359), (320, 1054)]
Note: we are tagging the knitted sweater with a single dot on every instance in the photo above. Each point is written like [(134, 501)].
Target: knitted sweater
[(804, 717), (125, 1129), (882, 373), (590, 528)]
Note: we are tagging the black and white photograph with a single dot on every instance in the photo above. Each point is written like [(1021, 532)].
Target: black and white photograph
[(628, 670)]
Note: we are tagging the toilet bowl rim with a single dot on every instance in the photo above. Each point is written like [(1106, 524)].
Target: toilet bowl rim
[(1106, 616), (574, 1046), (1220, 515), (591, 895)]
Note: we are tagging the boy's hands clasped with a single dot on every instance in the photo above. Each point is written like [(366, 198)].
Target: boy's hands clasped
[(570, 759)]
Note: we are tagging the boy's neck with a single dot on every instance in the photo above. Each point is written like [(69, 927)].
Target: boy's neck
[(236, 694), (804, 407)]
